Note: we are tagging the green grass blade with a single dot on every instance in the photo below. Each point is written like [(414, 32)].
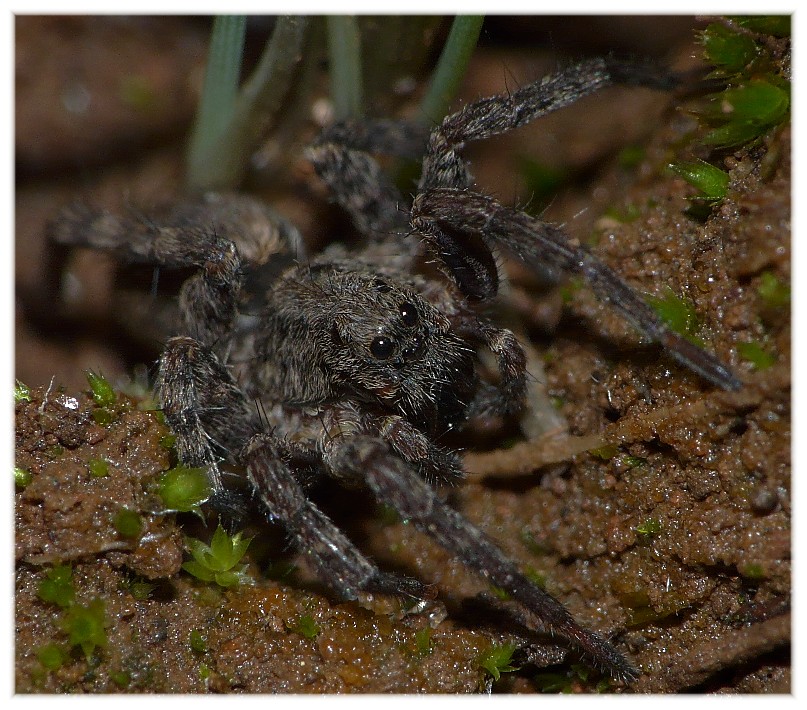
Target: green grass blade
[(222, 163), (451, 66), (344, 53), (220, 87)]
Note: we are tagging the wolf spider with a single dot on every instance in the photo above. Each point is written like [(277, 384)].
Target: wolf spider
[(363, 359)]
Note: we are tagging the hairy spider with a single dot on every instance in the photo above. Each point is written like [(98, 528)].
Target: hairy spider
[(363, 359)]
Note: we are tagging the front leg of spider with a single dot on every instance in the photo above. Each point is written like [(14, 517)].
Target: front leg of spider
[(273, 470), (392, 481), (464, 228)]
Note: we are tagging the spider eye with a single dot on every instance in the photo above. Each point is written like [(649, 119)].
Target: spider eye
[(382, 347), (409, 315)]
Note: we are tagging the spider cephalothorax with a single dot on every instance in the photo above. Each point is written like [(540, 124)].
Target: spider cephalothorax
[(332, 334), (363, 360)]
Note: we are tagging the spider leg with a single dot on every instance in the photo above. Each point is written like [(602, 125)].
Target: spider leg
[(508, 396), (394, 482), (200, 399), (444, 167), (214, 233), (337, 561), (342, 157), (445, 215), (433, 463)]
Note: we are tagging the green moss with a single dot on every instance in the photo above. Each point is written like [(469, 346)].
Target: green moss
[(57, 586), (730, 51), (752, 571), (54, 452), (774, 293), (499, 593), (103, 416), (625, 215), (22, 477), (534, 546), (605, 453), (121, 678), (306, 627), (542, 182), (85, 626), (678, 313), (776, 25), (566, 682), (198, 642), (423, 642), (536, 577), (649, 528), (139, 588), (184, 488), (102, 392), (744, 113), (99, 468), (21, 392), (217, 562), (633, 461), (754, 353), (497, 660), (128, 523), (52, 656), (712, 182)]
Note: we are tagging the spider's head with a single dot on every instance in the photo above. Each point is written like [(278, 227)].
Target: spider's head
[(390, 347)]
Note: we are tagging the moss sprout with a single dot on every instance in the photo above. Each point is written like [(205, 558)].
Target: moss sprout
[(198, 642), (217, 562), (121, 678), (727, 49), (99, 468), (57, 586), (52, 656), (306, 627), (139, 588), (184, 488), (752, 571), (85, 626), (712, 182), (678, 313), (649, 528), (755, 354), (22, 477), (21, 392), (423, 642), (102, 392), (128, 523), (605, 453), (744, 113), (497, 660), (774, 293)]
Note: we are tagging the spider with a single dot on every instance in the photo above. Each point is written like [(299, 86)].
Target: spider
[(362, 360)]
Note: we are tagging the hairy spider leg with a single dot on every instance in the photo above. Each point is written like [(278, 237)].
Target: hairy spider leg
[(445, 214), (199, 397), (463, 227), (395, 483), (335, 558), (341, 156)]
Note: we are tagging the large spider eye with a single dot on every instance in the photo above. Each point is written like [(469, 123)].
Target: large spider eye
[(382, 347), (409, 315)]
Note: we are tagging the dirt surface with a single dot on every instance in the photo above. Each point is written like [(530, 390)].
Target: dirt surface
[(656, 508)]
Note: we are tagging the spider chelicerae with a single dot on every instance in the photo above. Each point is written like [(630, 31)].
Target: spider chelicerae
[(362, 360)]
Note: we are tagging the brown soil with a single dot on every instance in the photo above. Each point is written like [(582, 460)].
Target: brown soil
[(673, 536)]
